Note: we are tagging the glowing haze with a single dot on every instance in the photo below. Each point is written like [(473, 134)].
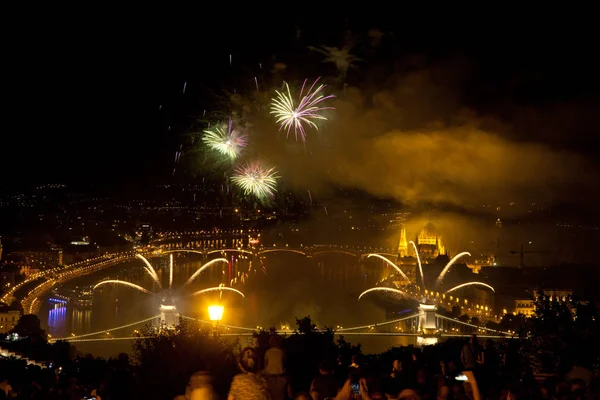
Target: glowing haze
[(414, 142)]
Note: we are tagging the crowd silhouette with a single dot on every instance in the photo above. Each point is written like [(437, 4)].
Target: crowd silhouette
[(191, 363)]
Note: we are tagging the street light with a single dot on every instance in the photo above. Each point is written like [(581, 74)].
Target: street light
[(215, 313)]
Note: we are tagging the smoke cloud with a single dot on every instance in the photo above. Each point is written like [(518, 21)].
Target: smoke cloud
[(415, 142)]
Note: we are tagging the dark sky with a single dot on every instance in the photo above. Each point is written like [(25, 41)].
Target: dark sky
[(82, 95)]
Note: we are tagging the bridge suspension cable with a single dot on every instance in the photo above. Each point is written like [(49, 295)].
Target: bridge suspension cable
[(223, 325), (378, 324), (471, 325), (78, 337), (287, 331)]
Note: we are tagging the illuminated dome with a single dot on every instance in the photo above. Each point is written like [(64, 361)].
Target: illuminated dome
[(429, 242), (428, 235)]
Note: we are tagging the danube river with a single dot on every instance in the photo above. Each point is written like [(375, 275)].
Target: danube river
[(278, 288)]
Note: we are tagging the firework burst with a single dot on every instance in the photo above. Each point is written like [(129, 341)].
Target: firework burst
[(255, 179), (228, 142), (291, 114)]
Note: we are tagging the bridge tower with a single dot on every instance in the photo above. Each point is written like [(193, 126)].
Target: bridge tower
[(169, 317), (427, 325)]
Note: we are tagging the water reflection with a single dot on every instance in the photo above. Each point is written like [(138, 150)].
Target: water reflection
[(81, 320), (56, 318), (278, 288)]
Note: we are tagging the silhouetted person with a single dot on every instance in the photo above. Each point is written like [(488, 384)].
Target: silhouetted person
[(274, 357), (279, 386), (274, 372), (249, 385), (470, 354), (354, 367), (489, 362), (325, 385), (580, 372), (5, 387), (395, 382), (199, 388), (340, 371)]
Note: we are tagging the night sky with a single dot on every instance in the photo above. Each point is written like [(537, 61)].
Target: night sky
[(82, 96)]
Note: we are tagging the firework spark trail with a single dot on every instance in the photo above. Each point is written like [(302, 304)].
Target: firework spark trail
[(202, 268), (264, 267), (419, 262), (450, 263), (149, 269), (310, 197), (256, 82), (254, 179), (289, 114), (170, 271), (384, 289), (469, 284), (390, 263), (184, 86), (219, 288), (129, 284), (227, 142)]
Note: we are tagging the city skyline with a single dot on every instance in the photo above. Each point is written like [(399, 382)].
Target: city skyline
[(332, 182)]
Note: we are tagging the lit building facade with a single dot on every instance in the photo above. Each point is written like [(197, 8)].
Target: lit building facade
[(40, 259), (429, 243), (402, 244), (484, 261), (525, 307), (27, 271), (559, 295), (8, 319)]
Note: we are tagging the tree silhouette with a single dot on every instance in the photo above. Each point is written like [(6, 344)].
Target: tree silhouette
[(29, 326), (305, 325), (167, 358), (562, 333), (515, 323), (455, 311)]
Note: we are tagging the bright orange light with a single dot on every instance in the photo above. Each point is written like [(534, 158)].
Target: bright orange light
[(215, 312)]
